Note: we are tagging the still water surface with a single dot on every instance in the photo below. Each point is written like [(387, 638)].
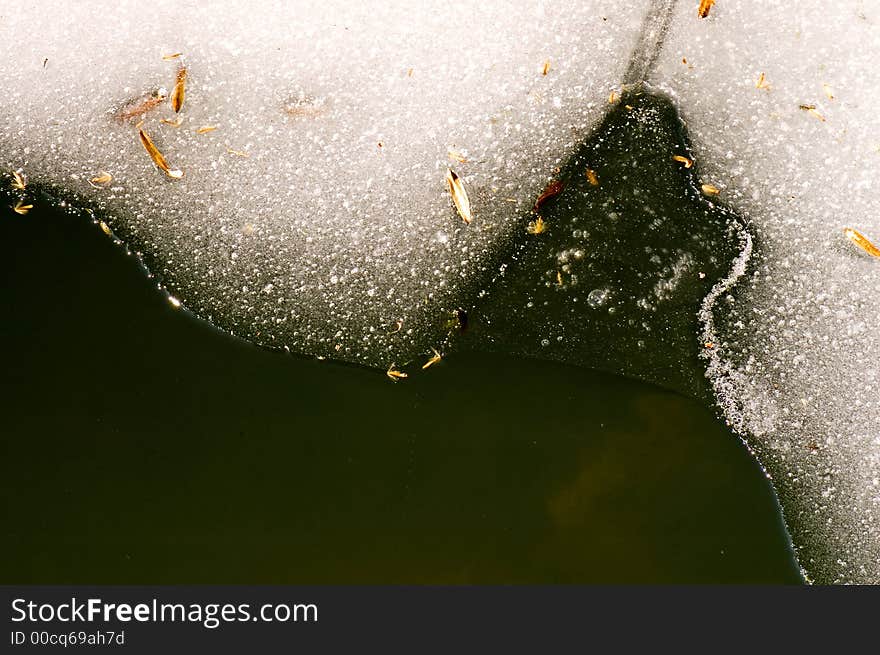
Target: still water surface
[(141, 445)]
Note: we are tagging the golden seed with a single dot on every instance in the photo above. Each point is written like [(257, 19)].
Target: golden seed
[(178, 95), (861, 241), (207, 128), (687, 163), (710, 190), (592, 178), (174, 55), (705, 6), (102, 178), (21, 208), (173, 123), (546, 68), (762, 83), (434, 359), (394, 374), (157, 156), (459, 195)]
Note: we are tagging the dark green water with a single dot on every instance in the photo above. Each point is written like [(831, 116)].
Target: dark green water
[(142, 445)]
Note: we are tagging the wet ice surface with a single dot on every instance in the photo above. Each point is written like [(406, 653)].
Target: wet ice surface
[(630, 247), (335, 235), (796, 368), (325, 242)]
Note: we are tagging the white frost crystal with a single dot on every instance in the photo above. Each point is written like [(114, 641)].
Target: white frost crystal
[(316, 215)]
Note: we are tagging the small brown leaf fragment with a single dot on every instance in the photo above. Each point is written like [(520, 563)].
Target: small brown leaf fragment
[(592, 178), (394, 375), (102, 178), (459, 195), (19, 180), (157, 156), (178, 95), (173, 55), (861, 241), (536, 226), (550, 191), (546, 68), (762, 83), (21, 208), (710, 190), (705, 6), (139, 106), (811, 109), (684, 161), (206, 128), (708, 345), (434, 359), (173, 123), (409, 73)]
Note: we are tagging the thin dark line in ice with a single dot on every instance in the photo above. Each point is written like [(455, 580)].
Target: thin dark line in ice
[(650, 41)]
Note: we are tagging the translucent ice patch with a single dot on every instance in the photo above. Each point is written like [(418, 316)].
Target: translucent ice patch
[(313, 141), (781, 102)]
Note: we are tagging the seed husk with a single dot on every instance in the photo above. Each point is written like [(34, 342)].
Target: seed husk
[(436, 357), (459, 195), (21, 208), (684, 161), (861, 241), (102, 178), (19, 180), (394, 374), (178, 95), (157, 157), (705, 7)]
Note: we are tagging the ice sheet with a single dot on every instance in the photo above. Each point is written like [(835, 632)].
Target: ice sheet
[(795, 367), (335, 235)]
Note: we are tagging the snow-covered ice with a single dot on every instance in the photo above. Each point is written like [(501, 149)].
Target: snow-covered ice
[(796, 369), (316, 215), (335, 235)]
